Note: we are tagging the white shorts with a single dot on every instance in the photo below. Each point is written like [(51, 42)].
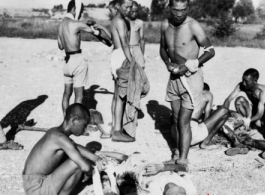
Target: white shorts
[(116, 59), (199, 132)]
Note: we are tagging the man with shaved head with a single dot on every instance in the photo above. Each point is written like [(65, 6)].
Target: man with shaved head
[(56, 164), (181, 39)]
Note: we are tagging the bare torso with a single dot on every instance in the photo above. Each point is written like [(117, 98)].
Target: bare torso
[(45, 156), (135, 32), (254, 95), (69, 35), (180, 42), (114, 32)]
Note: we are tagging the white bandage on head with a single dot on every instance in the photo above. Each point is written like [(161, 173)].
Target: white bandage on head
[(95, 32), (192, 65), (78, 6), (246, 122), (207, 49)]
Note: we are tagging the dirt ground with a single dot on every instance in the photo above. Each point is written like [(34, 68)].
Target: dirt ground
[(31, 87)]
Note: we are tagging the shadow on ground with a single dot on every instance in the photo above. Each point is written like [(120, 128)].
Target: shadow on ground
[(19, 115), (89, 96), (162, 116)]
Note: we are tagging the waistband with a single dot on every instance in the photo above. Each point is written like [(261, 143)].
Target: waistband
[(73, 52)]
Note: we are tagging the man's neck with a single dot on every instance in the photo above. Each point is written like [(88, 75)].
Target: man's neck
[(177, 24), (64, 128)]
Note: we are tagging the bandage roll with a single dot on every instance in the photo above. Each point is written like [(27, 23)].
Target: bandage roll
[(192, 65)]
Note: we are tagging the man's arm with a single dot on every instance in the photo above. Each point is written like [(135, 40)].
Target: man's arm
[(60, 45), (202, 41), (86, 153), (124, 39), (106, 31), (232, 96), (260, 112), (72, 152), (209, 106), (142, 41), (116, 155)]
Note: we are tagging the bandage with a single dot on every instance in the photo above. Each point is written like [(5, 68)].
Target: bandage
[(97, 182), (95, 32), (246, 122), (192, 65), (207, 49), (110, 172), (78, 6)]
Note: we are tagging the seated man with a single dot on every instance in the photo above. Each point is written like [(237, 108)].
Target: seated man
[(55, 164), (252, 111), (131, 172)]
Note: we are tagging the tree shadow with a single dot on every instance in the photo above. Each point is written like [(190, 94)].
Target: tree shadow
[(19, 115), (162, 117), (89, 96)]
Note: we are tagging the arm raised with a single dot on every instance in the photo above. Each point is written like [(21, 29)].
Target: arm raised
[(232, 96)]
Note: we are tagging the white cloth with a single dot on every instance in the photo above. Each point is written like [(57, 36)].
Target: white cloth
[(78, 6), (192, 65), (116, 59), (199, 132)]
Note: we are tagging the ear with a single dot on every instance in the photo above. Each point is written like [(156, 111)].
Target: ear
[(74, 120)]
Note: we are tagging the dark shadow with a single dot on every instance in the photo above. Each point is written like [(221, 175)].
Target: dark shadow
[(89, 96), (81, 186), (162, 117), (19, 115)]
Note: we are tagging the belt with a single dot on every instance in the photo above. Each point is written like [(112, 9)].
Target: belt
[(73, 52)]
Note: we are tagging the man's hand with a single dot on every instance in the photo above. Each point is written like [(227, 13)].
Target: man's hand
[(182, 70), (102, 162), (153, 169)]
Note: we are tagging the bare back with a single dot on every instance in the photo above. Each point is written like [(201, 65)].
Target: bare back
[(46, 155), (115, 32)]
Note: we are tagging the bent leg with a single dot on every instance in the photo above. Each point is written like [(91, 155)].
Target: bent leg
[(68, 90), (118, 114), (66, 177), (214, 124), (185, 133), (242, 106), (79, 94)]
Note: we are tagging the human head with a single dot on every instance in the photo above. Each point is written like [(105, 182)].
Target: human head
[(124, 6), (173, 189), (134, 11), (72, 9), (250, 78), (112, 8), (206, 87), (77, 117), (179, 10)]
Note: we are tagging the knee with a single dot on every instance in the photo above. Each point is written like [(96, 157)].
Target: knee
[(174, 118), (240, 100), (72, 165)]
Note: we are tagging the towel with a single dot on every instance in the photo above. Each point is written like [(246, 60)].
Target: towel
[(133, 83)]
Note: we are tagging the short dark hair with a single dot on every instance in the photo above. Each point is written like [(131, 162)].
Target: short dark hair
[(206, 87), (252, 72), (135, 4), (71, 5), (171, 2), (77, 110), (112, 3), (128, 184)]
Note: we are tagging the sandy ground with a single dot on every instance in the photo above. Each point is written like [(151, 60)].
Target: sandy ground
[(26, 74)]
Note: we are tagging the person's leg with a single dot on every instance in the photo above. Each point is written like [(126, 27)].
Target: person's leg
[(258, 144), (68, 90), (114, 100), (242, 106), (175, 106), (66, 177), (118, 114), (214, 123), (184, 133), (79, 94)]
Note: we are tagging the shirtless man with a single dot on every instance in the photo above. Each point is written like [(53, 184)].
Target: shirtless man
[(137, 42), (69, 38), (120, 31), (55, 164), (252, 113), (181, 39)]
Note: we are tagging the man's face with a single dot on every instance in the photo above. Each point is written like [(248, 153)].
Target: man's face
[(112, 11), (179, 11), (133, 13), (125, 7), (79, 126), (248, 81)]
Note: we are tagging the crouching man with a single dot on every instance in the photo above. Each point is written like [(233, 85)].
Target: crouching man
[(56, 164)]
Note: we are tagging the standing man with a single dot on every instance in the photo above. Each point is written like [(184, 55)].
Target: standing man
[(120, 31), (181, 39), (69, 38), (137, 42)]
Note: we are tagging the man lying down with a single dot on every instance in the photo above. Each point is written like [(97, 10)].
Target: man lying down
[(140, 174)]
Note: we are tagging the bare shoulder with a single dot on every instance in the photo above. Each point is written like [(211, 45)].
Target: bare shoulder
[(209, 96), (194, 24), (164, 25), (140, 22)]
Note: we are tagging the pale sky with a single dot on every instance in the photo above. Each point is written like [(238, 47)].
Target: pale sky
[(51, 3)]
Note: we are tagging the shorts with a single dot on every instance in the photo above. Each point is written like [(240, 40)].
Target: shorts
[(76, 71), (138, 55), (38, 185), (199, 132), (177, 91), (116, 60)]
